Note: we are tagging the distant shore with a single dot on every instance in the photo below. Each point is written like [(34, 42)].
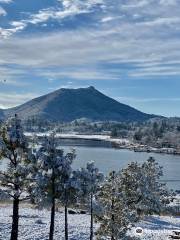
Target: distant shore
[(118, 143)]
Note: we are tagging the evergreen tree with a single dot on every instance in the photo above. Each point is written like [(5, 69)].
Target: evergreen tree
[(141, 187), (115, 218), (114, 132), (89, 179), (54, 171), (17, 179), (67, 187), (156, 194), (132, 183)]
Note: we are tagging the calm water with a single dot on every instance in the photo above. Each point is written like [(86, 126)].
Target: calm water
[(108, 159)]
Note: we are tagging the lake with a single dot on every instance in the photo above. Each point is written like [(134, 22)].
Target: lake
[(108, 158)]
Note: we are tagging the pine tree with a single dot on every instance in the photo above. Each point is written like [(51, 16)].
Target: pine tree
[(54, 171), (67, 187), (115, 218), (141, 187), (17, 179), (132, 183), (89, 180), (156, 195)]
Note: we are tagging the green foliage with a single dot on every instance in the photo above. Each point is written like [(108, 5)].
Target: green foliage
[(115, 218), (141, 187)]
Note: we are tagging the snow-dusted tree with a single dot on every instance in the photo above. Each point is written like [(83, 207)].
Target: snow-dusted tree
[(157, 194), (116, 218), (89, 179), (67, 187), (142, 188), (132, 183), (54, 171), (17, 178)]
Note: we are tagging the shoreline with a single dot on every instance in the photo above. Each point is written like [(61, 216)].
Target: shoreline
[(117, 143)]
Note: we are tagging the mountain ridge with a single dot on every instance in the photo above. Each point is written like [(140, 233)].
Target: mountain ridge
[(69, 104)]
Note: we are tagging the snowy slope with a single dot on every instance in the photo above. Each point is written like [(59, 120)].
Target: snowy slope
[(34, 225)]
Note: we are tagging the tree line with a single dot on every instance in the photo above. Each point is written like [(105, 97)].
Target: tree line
[(45, 177)]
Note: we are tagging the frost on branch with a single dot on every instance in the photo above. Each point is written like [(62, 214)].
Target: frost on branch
[(116, 218), (142, 188), (53, 180), (54, 170), (88, 180), (16, 179)]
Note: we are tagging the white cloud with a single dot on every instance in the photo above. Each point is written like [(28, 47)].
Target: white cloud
[(70, 8), (13, 82), (136, 4), (2, 12), (168, 2), (162, 21), (13, 99), (79, 73), (45, 15), (149, 70), (145, 12), (74, 49), (146, 100), (12, 77), (110, 18), (6, 1), (155, 74), (16, 26), (145, 39)]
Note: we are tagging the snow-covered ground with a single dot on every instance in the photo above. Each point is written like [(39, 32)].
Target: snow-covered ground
[(34, 225), (81, 136), (157, 227)]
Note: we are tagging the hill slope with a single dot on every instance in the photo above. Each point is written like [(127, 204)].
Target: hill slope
[(1, 113), (70, 104)]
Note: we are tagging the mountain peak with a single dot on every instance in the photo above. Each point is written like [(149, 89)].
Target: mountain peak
[(75, 89), (91, 88), (70, 104)]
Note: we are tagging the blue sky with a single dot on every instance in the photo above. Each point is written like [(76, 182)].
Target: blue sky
[(128, 49)]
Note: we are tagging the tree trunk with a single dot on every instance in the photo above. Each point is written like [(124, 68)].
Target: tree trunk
[(66, 216), (112, 218), (112, 238), (15, 219), (112, 208), (51, 232), (91, 227), (66, 223)]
